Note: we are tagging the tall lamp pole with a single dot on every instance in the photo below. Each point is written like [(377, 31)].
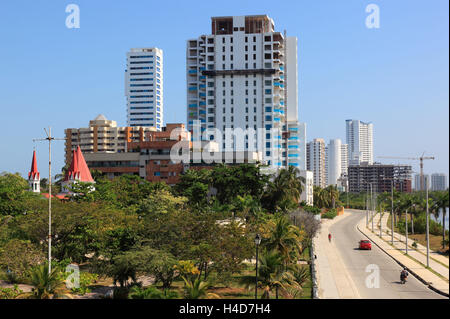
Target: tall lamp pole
[(372, 203), (367, 210), (428, 226), (392, 208), (49, 138), (406, 230), (392, 211), (257, 242)]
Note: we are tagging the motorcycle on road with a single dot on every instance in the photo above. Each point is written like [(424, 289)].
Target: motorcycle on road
[(403, 276)]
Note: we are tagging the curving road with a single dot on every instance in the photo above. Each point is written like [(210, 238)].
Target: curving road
[(345, 241)]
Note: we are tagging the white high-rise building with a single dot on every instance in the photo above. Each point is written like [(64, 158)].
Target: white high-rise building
[(360, 142), (426, 181), (344, 158), (308, 192), (438, 182), (244, 76), (334, 161), (144, 87), (316, 163)]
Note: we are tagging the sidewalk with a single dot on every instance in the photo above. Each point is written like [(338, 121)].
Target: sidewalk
[(420, 248), (398, 253), (333, 280)]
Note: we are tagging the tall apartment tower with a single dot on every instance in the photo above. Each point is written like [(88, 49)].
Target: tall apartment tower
[(360, 142), (344, 158), (102, 136), (426, 180), (144, 87), (334, 161), (316, 161), (438, 182), (244, 76)]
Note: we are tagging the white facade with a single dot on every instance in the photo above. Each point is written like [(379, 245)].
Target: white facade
[(334, 161), (316, 161), (360, 142), (426, 180), (296, 145), (344, 158), (308, 192), (144, 87), (438, 182), (238, 77)]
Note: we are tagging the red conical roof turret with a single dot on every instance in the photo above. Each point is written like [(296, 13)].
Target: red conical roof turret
[(78, 169), (34, 173)]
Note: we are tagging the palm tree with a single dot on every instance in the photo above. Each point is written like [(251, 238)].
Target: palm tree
[(441, 201), (332, 193), (285, 238), (272, 276), (46, 286), (286, 189), (196, 289), (321, 197)]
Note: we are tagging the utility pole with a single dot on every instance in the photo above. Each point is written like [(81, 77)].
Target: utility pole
[(367, 210), (49, 138), (372, 203), (392, 207), (428, 227), (381, 224), (392, 211), (406, 230)]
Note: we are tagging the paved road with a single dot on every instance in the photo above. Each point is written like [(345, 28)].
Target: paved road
[(345, 240)]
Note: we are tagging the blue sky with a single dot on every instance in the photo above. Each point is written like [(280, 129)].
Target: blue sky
[(395, 76)]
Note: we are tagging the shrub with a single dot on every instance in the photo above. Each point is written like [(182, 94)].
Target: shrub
[(10, 293), (120, 293), (420, 226), (151, 293), (86, 279), (312, 209), (330, 214)]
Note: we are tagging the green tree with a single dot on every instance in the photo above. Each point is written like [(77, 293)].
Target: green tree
[(272, 276), (441, 201), (46, 285), (283, 193), (321, 197), (14, 194), (284, 238), (17, 256)]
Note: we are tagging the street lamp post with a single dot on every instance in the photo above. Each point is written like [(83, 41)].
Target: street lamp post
[(406, 230), (372, 202), (381, 224), (257, 242), (367, 211), (428, 226), (49, 138), (392, 211), (392, 207)]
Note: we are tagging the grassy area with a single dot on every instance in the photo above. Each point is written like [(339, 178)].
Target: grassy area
[(435, 241)]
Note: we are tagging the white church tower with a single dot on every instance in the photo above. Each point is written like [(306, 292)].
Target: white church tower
[(34, 177)]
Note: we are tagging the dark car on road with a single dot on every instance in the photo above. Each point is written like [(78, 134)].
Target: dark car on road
[(365, 244)]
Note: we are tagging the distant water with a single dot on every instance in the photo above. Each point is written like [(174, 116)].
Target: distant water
[(440, 218)]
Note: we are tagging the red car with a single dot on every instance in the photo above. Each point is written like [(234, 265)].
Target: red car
[(365, 244)]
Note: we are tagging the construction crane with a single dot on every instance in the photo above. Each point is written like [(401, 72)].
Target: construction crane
[(421, 159)]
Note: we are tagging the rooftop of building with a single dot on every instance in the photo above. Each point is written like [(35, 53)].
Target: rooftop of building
[(150, 49)]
